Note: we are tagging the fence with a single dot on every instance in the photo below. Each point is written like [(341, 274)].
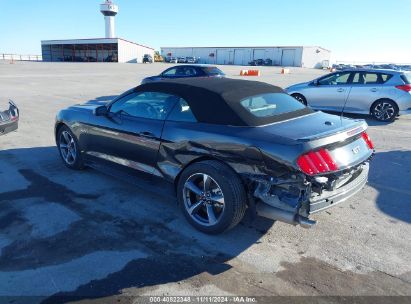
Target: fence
[(16, 57)]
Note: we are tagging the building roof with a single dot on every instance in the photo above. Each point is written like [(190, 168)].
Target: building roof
[(89, 41), (244, 47)]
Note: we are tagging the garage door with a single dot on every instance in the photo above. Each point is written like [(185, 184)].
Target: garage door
[(223, 56), (288, 58), (259, 54), (239, 57)]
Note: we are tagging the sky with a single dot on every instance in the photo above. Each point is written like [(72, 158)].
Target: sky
[(354, 30)]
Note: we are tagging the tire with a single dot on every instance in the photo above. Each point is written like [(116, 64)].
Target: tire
[(211, 216), (68, 147), (384, 110), (300, 98)]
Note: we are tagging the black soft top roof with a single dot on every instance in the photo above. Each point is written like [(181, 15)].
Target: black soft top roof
[(217, 100)]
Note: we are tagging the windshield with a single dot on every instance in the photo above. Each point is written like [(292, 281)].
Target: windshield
[(213, 71), (271, 104)]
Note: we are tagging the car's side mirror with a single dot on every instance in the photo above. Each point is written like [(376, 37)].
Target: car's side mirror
[(100, 111), (315, 83)]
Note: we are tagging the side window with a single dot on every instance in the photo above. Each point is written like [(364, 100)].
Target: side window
[(335, 79), (180, 71), (151, 105), (385, 77), (171, 72), (356, 78), (190, 71), (371, 78), (182, 112)]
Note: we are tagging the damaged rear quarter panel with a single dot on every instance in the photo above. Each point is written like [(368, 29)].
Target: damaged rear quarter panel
[(238, 147), (183, 143)]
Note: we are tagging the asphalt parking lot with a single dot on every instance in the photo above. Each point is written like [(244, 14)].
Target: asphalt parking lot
[(85, 234)]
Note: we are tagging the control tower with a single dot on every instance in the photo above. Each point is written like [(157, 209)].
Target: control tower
[(109, 10)]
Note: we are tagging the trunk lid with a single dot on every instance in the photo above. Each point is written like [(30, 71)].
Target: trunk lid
[(340, 137), (312, 126)]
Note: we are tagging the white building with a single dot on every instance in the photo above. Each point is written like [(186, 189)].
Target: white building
[(292, 56), (94, 50), (108, 49)]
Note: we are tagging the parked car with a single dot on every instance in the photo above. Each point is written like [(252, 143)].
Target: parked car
[(173, 60), (9, 119), (91, 59), (221, 146), (181, 60), (384, 94), (111, 58), (147, 58), (186, 71), (268, 62), (191, 60), (256, 62)]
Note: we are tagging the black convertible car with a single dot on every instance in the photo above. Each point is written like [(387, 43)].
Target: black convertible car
[(222, 146), (186, 71), (9, 119)]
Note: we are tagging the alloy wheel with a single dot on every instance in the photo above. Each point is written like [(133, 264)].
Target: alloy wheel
[(384, 111), (68, 148), (203, 199)]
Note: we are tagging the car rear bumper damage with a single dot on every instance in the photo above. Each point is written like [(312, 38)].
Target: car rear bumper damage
[(8, 127), (9, 119), (331, 198), (296, 209)]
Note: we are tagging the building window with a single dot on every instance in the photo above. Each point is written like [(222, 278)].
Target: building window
[(105, 52)]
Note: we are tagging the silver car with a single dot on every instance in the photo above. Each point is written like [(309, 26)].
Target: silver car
[(384, 94)]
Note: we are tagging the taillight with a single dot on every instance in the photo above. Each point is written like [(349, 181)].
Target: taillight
[(316, 162), (368, 140), (404, 87)]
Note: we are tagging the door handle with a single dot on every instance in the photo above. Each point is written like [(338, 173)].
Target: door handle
[(374, 90), (147, 134), (340, 90)]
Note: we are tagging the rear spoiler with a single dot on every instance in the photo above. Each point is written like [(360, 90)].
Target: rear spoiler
[(335, 136)]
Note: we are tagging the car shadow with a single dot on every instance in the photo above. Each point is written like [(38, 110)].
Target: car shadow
[(102, 100), (370, 121), (71, 235), (390, 174)]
